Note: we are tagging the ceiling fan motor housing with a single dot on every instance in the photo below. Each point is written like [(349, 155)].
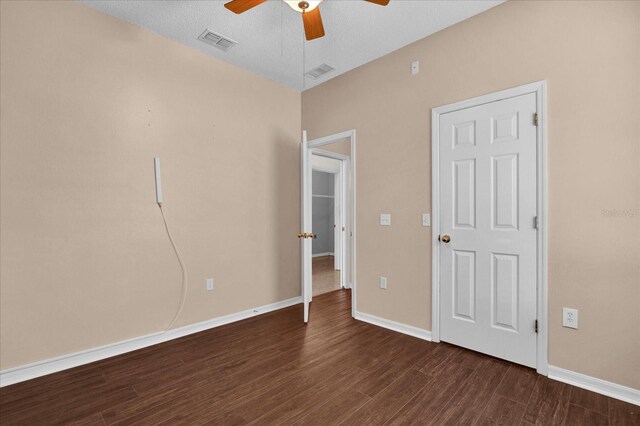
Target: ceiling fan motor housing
[(311, 18)]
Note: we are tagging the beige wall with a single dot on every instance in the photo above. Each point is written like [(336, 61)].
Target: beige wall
[(590, 54), (87, 102)]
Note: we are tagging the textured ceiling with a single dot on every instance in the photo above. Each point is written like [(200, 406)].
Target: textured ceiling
[(270, 36)]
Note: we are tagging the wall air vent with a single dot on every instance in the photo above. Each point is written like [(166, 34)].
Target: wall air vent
[(217, 40), (318, 72)]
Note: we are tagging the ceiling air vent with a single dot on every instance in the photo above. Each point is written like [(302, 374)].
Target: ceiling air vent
[(318, 72), (217, 40)]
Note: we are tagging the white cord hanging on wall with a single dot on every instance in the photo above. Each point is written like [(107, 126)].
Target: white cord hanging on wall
[(159, 199)]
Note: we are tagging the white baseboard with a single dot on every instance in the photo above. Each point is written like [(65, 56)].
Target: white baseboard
[(322, 254), (593, 384), (420, 333), (52, 365)]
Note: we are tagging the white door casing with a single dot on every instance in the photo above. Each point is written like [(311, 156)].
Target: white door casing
[(348, 266), (487, 195), (338, 166), (306, 208), (337, 222)]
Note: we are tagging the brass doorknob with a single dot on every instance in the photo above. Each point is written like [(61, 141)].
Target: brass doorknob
[(445, 238), (306, 235)]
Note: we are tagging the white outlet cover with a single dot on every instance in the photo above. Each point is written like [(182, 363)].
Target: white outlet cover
[(383, 283), (426, 219), (415, 67), (385, 219), (209, 284), (570, 318)]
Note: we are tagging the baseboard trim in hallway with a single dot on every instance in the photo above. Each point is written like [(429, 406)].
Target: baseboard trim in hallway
[(322, 254), (410, 330), (64, 362)]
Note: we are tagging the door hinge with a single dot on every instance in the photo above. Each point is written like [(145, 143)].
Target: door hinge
[(535, 326), (535, 222), (535, 119)]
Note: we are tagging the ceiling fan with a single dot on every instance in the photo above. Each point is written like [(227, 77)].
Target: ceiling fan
[(311, 18)]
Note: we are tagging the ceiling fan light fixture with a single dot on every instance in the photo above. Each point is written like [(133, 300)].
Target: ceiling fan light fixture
[(303, 5)]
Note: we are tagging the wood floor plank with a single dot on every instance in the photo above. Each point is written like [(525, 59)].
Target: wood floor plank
[(469, 359), (431, 399), (623, 414), (87, 404), (470, 400), (296, 407), (274, 369), (252, 408), (518, 383), (92, 420), (439, 354), (580, 416), (339, 406), (377, 380), (180, 403), (590, 400), (501, 411), (548, 403), (131, 408), (389, 401)]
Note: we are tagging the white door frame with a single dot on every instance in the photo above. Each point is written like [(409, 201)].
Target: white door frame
[(350, 176), (540, 90)]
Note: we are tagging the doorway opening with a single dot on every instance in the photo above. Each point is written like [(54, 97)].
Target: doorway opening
[(328, 216)]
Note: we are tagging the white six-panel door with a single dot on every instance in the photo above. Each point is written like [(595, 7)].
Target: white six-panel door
[(487, 207)]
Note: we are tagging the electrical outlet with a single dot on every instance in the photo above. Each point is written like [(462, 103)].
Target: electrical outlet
[(209, 283), (426, 219), (415, 67), (570, 318), (385, 219), (383, 283)]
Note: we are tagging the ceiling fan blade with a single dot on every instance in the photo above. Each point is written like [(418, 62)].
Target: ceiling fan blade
[(313, 27), (380, 2), (239, 6)]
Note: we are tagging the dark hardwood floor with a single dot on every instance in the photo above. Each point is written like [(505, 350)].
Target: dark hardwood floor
[(272, 369)]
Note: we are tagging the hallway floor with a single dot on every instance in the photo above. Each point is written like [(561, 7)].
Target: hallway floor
[(325, 277), (274, 369)]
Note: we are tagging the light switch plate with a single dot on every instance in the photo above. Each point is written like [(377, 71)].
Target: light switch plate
[(385, 219), (415, 67), (209, 283), (426, 219), (383, 283)]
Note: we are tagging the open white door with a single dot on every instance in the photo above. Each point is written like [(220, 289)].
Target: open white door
[(306, 233)]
